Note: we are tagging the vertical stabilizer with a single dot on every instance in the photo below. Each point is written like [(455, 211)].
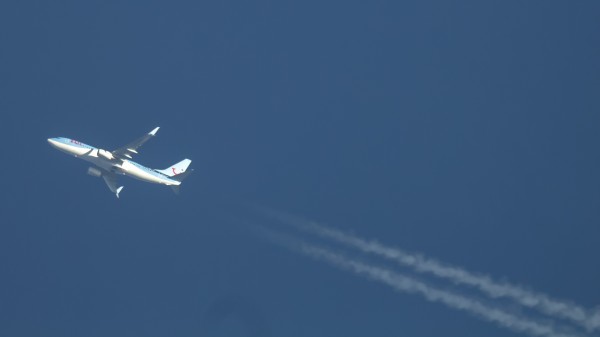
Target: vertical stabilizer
[(176, 169)]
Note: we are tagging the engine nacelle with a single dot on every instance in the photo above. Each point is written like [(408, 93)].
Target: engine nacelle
[(106, 154), (94, 172)]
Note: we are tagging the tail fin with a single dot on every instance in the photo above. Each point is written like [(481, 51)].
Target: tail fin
[(182, 176), (176, 169)]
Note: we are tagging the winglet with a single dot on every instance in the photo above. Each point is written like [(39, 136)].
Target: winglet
[(118, 191), (153, 132)]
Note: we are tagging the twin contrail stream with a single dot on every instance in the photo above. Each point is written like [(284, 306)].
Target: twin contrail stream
[(527, 298), (407, 284)]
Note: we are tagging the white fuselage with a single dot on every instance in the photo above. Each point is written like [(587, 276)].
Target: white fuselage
[(105, 160)]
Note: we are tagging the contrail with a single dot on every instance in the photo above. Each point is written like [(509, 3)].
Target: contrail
[(407, 284), (527, 298)]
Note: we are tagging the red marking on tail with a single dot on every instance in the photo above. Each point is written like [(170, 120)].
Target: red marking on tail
[(174, 173)]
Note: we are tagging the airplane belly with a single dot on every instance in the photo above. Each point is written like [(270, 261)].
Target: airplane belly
[(105, 164), (99, 161), (139, 173)]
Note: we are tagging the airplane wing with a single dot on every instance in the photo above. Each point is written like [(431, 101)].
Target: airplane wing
[(128, 150), (111, 181)]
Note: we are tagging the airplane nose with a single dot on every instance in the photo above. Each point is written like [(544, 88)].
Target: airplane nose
[(52, 141)]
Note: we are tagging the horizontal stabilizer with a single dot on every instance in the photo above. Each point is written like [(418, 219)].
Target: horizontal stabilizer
[(180, 178)]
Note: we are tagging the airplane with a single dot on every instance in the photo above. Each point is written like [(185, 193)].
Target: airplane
[(110, 164)]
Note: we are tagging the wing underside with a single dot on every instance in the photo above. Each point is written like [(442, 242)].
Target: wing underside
[(111, 181), (127, 151)]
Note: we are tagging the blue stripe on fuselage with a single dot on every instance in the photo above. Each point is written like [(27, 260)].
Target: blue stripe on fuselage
[(73, 142)]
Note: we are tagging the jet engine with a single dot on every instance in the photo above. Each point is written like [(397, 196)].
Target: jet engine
[(94, 172)]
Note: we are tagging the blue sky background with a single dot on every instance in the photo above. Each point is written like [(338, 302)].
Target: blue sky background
[(464, 130)]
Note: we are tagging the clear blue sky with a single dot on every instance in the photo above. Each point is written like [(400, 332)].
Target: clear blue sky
[(466, 130)]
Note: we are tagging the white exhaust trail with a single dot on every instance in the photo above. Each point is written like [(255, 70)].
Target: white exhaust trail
[(527, 298), (407, 284)]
